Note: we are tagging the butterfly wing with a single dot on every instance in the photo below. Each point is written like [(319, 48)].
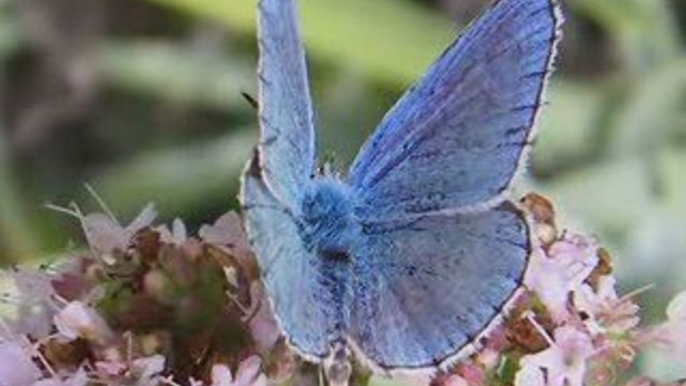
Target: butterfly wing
[(442, 251), (297, 282), (287, 149), (456, 139), (425, 288)]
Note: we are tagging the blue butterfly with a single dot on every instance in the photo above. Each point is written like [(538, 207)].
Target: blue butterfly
[(418, 250)]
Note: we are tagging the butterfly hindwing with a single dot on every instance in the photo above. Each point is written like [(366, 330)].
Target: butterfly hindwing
[(424, 289), (287, 148), (456, 139)]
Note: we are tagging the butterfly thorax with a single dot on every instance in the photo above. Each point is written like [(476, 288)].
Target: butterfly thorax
[(327, 224)]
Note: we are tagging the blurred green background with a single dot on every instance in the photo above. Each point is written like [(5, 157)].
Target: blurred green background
[(142, 100)]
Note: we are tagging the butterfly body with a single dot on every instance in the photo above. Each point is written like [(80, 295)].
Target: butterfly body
[(418, 250), (326, 216)]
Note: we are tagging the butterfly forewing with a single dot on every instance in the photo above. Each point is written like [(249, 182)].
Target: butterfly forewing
[(456, 139), (287, 138)]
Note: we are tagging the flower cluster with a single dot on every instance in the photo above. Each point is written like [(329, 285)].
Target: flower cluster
[(569, 327), (146, 306), (149, 305)]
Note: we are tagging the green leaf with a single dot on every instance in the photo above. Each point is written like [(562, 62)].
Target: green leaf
[(16, 235), (568, 125), (672, 184), (646, 31), (379, 381), (10, 35), (176, 74), (610, 197), (390, 41), (651, 116), (180, 179), (662, 365)]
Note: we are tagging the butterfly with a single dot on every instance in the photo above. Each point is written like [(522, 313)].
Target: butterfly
[(417, 251)]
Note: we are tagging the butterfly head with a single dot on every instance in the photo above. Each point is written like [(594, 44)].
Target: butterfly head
[(327, 223)]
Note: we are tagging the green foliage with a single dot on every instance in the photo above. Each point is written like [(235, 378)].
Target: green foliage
[(399, 39), (164, 71)]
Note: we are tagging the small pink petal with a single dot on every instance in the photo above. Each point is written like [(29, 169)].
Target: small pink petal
[(560, 271), (111, 368), (249, 373), (35, 296), (148, 369), (144, 219), (451, 380), (530, 376), (16, 366), (671, 335), (221, 375), (77, 320), (263, 325), (564, 362), (228, 231), (472, 373), (105, 234), (80, 378)]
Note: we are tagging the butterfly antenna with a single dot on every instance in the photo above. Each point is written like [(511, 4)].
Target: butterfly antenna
[(251, 100)]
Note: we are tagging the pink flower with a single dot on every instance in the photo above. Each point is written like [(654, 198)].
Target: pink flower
[(561, 364), (147, 370), (641, 381), (16, 366), (77, 379), (472, 373), (608, 312), (555, 275), (105, 234), (177, 235), (77, 320), (111, 368), (221, 376), (248, 374), (450, 380), (228, 231), (530, 376), (263, 324), (36, 303), (671, 335)]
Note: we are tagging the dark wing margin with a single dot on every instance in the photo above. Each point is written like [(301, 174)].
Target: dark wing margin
[(457, 138), (287, 143)]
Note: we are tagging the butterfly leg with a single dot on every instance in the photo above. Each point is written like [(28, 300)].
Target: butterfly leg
[(337, 366)]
